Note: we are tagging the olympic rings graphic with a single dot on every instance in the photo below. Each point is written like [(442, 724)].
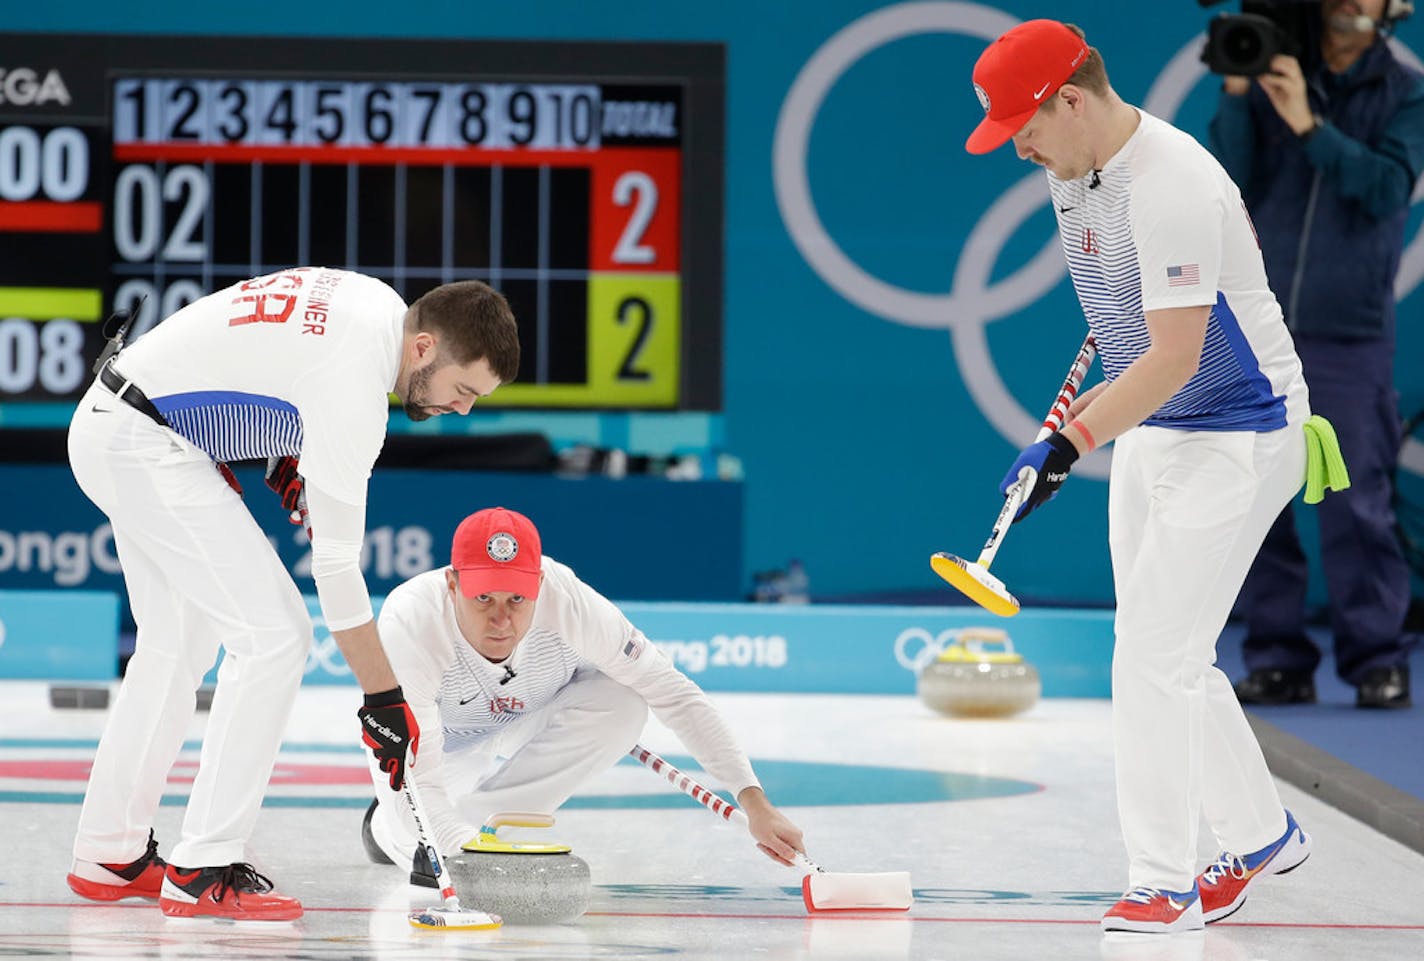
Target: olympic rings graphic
[(972, 302), (929, 647)]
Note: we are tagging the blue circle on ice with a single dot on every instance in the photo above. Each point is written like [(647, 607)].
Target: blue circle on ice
[(812, 783)]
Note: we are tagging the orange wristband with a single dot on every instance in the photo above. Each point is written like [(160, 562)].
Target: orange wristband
[(1087, 435)]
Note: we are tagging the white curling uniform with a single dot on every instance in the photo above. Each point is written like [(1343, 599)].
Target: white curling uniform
[(300, 362), (584, 678), (1193, 490)]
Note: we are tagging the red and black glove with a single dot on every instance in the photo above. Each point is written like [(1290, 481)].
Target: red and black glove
[(283, 478), (388, 727)]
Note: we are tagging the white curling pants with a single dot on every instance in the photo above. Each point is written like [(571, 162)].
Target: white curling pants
[(200, 573), (547, 755), (1187, 512)]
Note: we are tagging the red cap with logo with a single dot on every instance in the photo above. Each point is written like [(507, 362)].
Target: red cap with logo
[(497, 550), (1017, 73)]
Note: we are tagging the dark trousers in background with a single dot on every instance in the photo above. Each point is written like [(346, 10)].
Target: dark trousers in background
[(1352, 386)]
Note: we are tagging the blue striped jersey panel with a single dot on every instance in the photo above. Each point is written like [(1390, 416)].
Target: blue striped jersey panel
[(232, 426), (1228, 391)]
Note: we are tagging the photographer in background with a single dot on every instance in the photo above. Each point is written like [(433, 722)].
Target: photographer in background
[(1327, 158)]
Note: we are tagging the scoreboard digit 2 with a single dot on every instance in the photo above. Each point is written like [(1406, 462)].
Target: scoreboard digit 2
[(583, 180)]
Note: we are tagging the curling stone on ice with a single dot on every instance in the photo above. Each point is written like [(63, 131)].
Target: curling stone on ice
[(979, 675), (522, 883)]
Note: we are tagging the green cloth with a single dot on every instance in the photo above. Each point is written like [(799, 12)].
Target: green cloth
[(1324, 465)]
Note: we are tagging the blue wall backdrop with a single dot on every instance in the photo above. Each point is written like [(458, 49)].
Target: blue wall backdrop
[(896, 317), (618, 534)]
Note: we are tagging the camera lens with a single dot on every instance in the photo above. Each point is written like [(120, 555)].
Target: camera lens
[(1242, 44)]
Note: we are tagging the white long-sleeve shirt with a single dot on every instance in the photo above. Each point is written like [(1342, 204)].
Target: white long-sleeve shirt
[(458, 699), (299, 362)]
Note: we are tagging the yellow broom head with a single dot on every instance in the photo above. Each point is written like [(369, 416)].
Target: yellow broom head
[(457, 919), (974, 581)]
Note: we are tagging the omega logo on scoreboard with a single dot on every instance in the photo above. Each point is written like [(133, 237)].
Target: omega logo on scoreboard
[(555, 173), (23, 86)]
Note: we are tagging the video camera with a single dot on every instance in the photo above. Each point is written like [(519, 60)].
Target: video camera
[(1243, 44)]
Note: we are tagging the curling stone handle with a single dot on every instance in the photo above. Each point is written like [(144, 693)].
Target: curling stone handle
[(516, 819), (975, 639)]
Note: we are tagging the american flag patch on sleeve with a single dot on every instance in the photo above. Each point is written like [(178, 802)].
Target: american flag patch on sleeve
[(1183, 275), (632, 649)]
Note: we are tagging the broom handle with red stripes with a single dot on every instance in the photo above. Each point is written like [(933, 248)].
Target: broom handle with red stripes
[(1058, 413), (726, 810), (1053, 422)]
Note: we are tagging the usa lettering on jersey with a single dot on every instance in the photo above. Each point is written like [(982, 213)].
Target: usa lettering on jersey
[(505, 705), (272, 299)]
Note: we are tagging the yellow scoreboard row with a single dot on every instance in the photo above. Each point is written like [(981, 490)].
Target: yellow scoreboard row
[(634, 347), (634, 341)]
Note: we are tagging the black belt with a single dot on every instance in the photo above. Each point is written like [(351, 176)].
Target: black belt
[(130, 394)]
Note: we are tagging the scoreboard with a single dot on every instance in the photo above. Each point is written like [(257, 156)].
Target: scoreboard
[(583, 180)]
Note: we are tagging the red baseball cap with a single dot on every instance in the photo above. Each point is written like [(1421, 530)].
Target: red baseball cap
[(1017, 73), (497, 550)]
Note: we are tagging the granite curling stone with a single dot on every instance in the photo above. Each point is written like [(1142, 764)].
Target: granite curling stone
[(522, 883), (968, 679)]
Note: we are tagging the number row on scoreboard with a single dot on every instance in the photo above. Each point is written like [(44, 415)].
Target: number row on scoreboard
[(358, 114), (627, 200), (627, 354)]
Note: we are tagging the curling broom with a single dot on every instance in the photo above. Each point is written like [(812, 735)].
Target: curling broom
[(974, 580), (820, 889), (449, 916)]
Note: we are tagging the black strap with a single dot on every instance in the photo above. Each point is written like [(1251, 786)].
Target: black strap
[(130, 395)]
